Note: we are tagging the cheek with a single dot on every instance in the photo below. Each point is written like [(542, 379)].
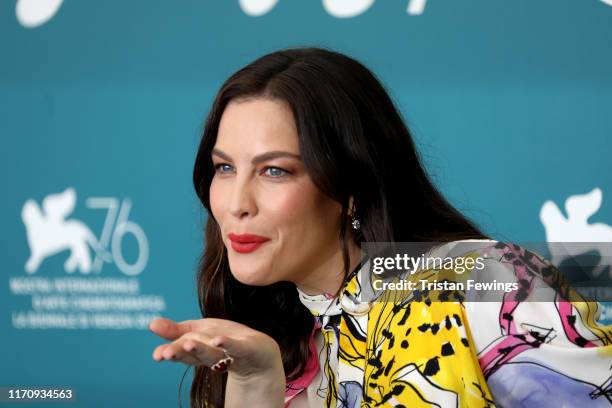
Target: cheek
[(216, 200), (290, 208), (304, 217)]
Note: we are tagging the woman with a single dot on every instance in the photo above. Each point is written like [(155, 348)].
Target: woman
[(303, 159)]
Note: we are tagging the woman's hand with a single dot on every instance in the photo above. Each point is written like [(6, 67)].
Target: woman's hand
[(256, 374), (200, 342)]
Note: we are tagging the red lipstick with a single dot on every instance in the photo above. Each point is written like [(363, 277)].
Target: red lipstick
[(245, 243)]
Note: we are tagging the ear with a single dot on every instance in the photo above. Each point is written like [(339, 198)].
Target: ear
[(351, 206)]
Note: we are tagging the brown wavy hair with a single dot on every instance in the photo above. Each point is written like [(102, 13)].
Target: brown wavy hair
[(353, 142)]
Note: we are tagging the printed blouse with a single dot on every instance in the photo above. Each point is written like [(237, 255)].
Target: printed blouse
[(536, 345)]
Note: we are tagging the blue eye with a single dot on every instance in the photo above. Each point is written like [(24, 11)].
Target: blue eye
[(272, 171), (277, 171), (218, 167)]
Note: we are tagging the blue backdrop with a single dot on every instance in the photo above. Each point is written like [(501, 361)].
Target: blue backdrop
[(101, 108)]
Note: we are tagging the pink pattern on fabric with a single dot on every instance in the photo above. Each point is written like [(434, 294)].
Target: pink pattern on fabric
[(296, 386), (565, 311), (513, 340)]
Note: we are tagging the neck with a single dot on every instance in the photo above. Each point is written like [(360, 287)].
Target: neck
[(328, 277)]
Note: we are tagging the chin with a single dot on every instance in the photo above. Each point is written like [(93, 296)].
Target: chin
[(253, 279)]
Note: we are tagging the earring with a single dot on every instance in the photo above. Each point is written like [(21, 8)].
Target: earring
[(355, 222)]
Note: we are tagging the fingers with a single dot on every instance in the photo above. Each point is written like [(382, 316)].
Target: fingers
[(202, 353), (192, 349), (230, 345), (169, 329)]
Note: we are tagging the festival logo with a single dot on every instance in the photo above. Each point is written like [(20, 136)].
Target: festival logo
[(34, 13), (49, 232), (79, 297), (575, 228)]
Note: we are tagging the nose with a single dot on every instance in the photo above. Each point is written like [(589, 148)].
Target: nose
[(242, 202)]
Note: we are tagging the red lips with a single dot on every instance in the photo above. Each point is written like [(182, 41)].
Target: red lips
[(245, 243), (247, 238)]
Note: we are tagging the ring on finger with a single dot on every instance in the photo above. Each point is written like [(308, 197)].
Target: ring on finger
[(223, 364)]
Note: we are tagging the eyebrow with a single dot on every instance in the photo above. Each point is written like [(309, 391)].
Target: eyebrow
[(259, 158)]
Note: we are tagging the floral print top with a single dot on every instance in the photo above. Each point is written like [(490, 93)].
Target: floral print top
[(423, 352)]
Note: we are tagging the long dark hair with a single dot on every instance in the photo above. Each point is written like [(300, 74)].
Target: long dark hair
[(353, 142)]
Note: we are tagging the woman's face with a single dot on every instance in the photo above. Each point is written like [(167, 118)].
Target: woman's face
[(261, 187)]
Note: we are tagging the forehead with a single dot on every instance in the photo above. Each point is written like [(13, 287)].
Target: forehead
[(258, 122)]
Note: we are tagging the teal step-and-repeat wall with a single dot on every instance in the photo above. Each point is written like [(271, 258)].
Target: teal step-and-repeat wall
[(101, 108)]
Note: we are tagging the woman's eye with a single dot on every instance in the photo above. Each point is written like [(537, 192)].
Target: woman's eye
[(276, 172), (271, 171), (221, 167)]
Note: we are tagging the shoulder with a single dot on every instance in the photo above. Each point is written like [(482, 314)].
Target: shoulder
[(536, 337), (533, 303)]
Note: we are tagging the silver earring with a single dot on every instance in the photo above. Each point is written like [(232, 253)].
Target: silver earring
[(355, 222)]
